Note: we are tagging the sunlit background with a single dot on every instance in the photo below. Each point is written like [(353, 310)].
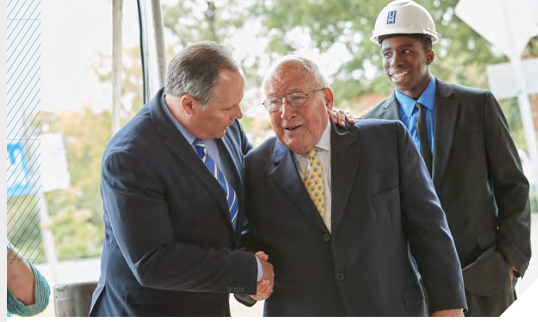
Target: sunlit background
[(76, 90)]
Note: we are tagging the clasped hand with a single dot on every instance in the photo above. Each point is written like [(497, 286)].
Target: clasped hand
[(264, 288)]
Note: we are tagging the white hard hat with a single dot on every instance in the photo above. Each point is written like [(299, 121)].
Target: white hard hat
[(404, 17)]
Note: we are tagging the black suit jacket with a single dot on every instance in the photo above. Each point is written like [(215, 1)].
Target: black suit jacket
[(169, 244), (480, 183), (381, 201)]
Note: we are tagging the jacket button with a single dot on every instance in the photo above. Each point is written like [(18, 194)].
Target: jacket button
[(241, 290), (340, 277), (327, 237), (230, 289)]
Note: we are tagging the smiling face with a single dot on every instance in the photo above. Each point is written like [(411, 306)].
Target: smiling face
[(212, 121), (298, 128), (406, 61)]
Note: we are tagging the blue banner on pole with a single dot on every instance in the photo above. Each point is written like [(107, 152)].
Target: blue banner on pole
[(17, 171)]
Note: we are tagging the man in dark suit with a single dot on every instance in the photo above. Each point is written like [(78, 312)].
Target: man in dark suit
[(336, 208), (464, 139), (173, 195)]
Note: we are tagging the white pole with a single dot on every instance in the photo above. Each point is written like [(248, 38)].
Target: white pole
[(44, 218), (159, 40), (117, 21), (47, 237)]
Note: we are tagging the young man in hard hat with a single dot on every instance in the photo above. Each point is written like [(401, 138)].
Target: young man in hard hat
[(464, 140)]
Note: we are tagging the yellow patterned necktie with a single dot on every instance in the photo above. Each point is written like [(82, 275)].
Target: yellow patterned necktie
[(313, 180)]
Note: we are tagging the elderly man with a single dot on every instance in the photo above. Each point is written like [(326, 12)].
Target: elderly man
[(337, 209), (464, 139)]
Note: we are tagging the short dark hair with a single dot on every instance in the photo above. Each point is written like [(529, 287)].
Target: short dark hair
[(195, 70), (426, 41)]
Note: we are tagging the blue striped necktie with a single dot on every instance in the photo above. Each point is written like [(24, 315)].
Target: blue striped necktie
[(231, 197)]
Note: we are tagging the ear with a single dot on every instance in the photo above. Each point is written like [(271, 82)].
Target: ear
[(188, 104), (329, 98), (430, 56)]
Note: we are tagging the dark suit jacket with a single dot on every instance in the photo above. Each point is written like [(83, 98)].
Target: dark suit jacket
[(381, 201), (480, 183), (169, 243)]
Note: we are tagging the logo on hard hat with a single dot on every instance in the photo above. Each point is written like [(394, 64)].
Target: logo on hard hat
[(391, 18)]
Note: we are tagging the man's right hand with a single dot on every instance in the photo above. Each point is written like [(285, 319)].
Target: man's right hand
[(453, 313), (264, 287)]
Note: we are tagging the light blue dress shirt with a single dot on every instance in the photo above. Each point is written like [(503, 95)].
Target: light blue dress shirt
[(212, 150), (210, 145), (408, 112)]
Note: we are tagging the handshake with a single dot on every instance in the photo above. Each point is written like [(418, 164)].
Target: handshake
[(264, 288)]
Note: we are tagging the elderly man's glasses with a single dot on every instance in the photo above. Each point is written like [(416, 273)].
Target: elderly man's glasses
[(296, 99)]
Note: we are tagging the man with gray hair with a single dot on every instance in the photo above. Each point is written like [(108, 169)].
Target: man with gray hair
[(336, 209), (173, 197)]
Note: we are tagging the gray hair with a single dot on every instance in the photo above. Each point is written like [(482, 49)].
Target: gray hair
[(195, 70), (307, 63)]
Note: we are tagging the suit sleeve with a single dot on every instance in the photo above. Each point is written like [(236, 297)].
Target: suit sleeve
[(426, 228), (134, 200), (247, 240), (510, 187)]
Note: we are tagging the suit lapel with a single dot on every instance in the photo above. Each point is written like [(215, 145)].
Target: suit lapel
[(185, 153), (390, 109), (232, 166), (180, 148), (288, 180), (345, 161), (446, 112)]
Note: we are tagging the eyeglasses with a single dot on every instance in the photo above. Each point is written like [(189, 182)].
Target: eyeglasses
[(296, 99)]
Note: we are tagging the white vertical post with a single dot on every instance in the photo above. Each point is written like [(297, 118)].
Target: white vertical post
[(159, 40), (117, 65), (47, 237)]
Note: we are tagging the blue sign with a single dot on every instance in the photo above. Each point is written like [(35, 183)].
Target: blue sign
[(391, 17), (18, 182)]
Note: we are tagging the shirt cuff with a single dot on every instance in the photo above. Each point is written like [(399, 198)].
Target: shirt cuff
[(260, 271)]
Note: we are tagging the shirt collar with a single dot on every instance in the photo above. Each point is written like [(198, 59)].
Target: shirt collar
[(324, 143), (427, 98), (186, 134)]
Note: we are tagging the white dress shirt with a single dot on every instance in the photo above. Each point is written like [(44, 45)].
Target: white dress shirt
[(324, 155)]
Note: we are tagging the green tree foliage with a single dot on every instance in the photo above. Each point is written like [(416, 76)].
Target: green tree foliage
[(131, 86), (461, 55), (189, 21), (195, 20), (23, 229), (76, 212)]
